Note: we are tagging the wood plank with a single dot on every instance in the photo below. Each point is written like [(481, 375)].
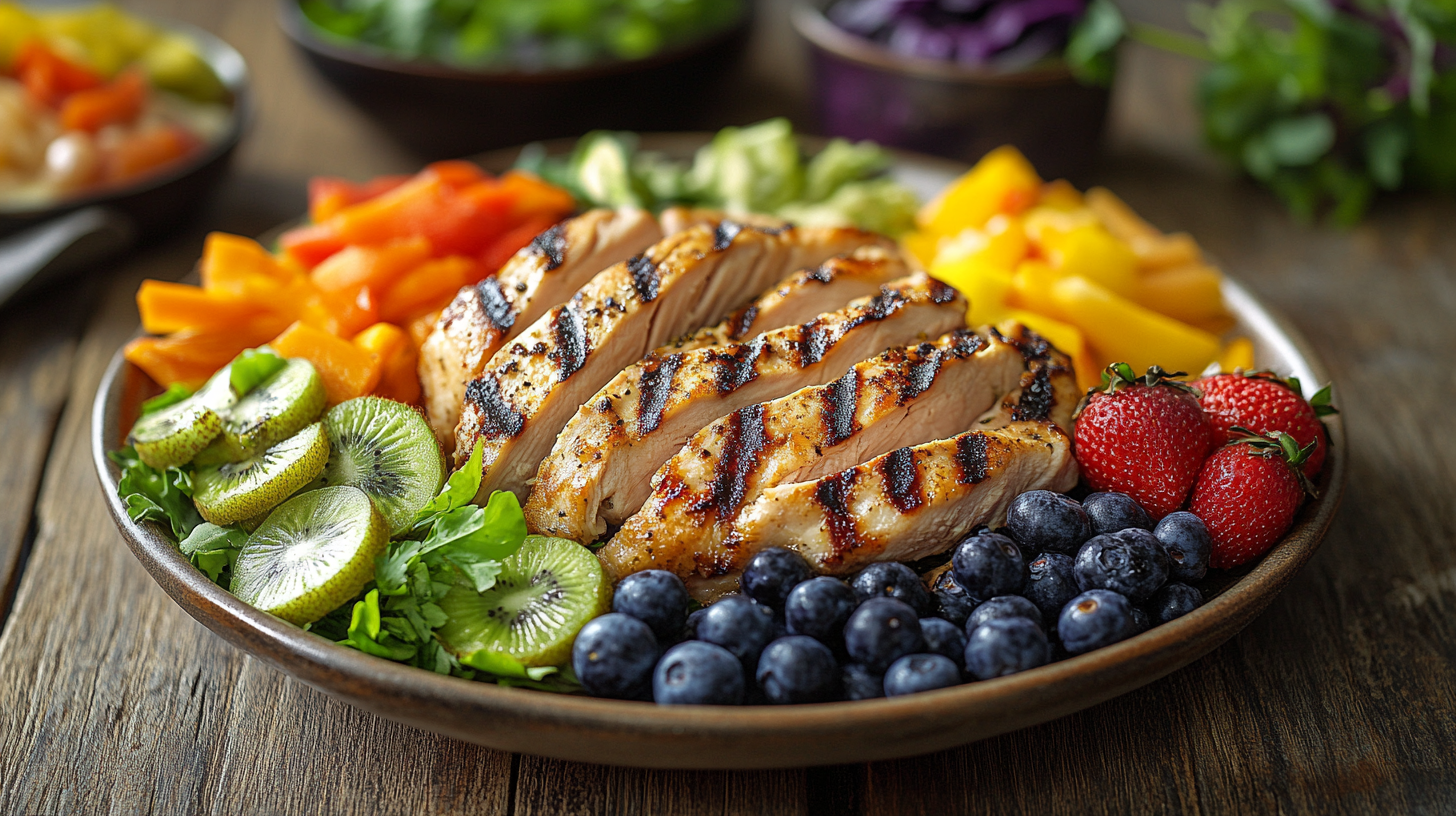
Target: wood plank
[(548, 787)]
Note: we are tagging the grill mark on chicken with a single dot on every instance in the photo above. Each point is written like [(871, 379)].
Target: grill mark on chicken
[(832, 494), (724, 233), (1036, 396), (656, 384), (902, 479), (838, 408), (499, 311), (551, 245), (570, 351), (942, 293), (498, 417), (970, 457), (741, 321), (743, 440), (645, 277), (738, 366)]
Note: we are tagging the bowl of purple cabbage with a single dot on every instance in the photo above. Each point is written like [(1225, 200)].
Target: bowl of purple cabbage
[(959, 77)]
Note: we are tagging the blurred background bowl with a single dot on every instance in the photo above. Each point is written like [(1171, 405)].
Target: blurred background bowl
[(865, 91), (443, 111)]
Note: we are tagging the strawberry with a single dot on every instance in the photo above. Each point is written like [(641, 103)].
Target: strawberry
[(1263, 402), (1247, 494), (1144, 437)]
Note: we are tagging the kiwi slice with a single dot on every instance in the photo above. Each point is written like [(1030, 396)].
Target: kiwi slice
[(544, 594), (386, 449), (173, 435), (233, 491), (274, 410), (315, 552)]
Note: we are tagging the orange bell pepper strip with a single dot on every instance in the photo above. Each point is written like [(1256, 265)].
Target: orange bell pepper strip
[(535, 198), (398, 360), (167, 307), (377, 267), (342, 313), (237, 267), (346, 370), (118, 102), (309, 245), (429, 287), (48, 76), (190, 357)]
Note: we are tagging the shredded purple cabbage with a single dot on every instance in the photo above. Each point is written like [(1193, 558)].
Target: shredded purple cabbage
[(1002, 34)]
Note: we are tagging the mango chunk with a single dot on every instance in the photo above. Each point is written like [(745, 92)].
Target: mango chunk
[(1191, 294), (1093, 253), (1003, 181), (1122, 331)]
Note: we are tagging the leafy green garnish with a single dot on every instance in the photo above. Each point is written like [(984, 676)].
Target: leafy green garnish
[(162, 496), (254, 366), (1091, 52), (175, 393), (214, 549)]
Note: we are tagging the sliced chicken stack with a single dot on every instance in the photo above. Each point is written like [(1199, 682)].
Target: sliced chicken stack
[(627, 384)]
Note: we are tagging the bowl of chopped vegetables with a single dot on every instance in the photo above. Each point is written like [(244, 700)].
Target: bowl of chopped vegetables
[(446, 79), (957, 79)]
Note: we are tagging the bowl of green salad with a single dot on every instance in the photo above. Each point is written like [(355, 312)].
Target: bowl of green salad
[(459, 76)]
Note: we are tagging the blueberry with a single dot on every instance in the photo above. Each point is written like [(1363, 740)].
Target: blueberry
[(1112, 512), (1131, 562), (798, 669), (690, 628), (921, 672), (1094, 619), (738, 625), (987, 565), (1188, 543), (613, 657), (1140, 621), (772, 573), (1003, 646), (819, 608), (955, 603), (698, 673), (1173, 601), (943, 637), (1044, 521), (1003, 606), (889, 579), (860, 682), (655, 597), (1051, 581), (881, 631)]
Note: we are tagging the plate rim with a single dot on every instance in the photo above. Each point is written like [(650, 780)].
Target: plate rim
[(577, 727)]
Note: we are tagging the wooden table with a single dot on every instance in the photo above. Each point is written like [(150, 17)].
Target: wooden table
[(1341, 698)]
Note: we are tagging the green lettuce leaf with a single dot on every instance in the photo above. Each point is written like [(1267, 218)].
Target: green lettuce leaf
[(214, 549), (162, 496)]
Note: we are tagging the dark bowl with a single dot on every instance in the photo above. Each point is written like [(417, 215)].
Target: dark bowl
[(443, 111), (156, 202), (864, 91), (641, 734)]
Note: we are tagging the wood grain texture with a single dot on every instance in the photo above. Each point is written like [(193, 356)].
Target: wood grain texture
[(1340, 699)]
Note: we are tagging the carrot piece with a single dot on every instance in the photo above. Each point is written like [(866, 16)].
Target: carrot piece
[(117, 102), (536, 198), (347, 370), (309, 245), (456, 221), (48, 76), (399, 376), (190, 357), (236, 267), (328, 195), (342, 313), (429, 287), (167, 307), (377, 267), (501, 250), (455, 172), (148, 149)]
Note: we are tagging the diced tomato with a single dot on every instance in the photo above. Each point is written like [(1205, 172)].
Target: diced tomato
[(48, 76), (118, 102)]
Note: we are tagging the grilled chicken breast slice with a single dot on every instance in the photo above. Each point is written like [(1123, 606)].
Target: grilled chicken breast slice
[(599, 471), (802, 296), (905, 396), (543, 274), (907, 504), (534, 385), (677, 219)]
